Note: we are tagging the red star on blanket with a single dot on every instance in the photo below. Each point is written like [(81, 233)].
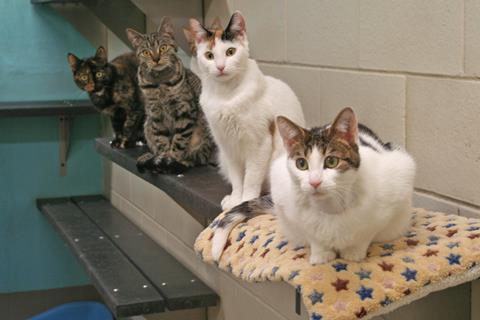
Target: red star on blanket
[(340, 284), (430, 253), (386, 266)]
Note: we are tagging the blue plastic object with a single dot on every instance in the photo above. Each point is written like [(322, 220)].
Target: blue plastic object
[(84, 310)]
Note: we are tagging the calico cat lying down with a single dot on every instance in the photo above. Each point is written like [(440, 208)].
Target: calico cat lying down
[(113, 89), (337, 188)]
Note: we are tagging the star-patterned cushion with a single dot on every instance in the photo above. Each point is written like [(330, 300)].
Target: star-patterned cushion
[(439, 251)]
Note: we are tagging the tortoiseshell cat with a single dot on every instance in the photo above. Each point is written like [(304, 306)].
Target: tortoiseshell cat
[(175, 127), (113, 90)]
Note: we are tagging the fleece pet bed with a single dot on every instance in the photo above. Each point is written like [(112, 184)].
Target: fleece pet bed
[(439, 251)]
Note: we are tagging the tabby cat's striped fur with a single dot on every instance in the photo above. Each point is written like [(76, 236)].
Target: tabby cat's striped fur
[(175, 128)]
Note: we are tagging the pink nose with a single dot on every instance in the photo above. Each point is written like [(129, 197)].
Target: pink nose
[(315, 183), (220, 68)]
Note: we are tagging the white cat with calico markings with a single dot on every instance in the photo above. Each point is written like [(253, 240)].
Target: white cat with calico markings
[(240, 104), (337, 189)]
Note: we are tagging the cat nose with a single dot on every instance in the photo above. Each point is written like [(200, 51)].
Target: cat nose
[(315, 183), (220, 68)]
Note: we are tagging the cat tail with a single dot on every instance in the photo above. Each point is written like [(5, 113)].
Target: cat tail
[(238, 214)]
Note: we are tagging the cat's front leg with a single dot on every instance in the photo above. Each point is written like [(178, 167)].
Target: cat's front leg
[(117, 118), (357, 252), (158, 141), (321, 254), (256, 169), (234, 173), (132, 127)]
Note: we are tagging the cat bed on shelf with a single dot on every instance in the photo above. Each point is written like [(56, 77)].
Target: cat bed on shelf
[(438, 252)]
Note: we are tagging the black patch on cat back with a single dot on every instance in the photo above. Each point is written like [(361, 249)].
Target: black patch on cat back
[(366, 144), (367, 131)]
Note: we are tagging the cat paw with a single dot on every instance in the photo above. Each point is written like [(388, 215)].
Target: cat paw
[(169, 165), (230, 201), (321, 257), (115, 143), (353, 254), (126, 144), (145, 161)]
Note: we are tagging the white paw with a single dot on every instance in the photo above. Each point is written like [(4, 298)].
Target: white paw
[(230, 201), (353, 254), (322, 257)]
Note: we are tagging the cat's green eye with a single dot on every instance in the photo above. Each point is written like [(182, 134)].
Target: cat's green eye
[(301, 164), (230, 52), (99, 75), (84, 77), (209, 55), (163, 49), (331, 162), (145, 53)]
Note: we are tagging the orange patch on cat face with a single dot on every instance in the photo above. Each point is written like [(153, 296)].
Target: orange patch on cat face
[(217, 34), (90, 87)]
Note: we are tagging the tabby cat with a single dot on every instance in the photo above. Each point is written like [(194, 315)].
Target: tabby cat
[(113, 90), (175, 128), (336, 189)]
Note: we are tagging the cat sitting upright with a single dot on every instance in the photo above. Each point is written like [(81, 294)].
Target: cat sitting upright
[(241, 104), (113, 89), (175, 128), (337, 188)]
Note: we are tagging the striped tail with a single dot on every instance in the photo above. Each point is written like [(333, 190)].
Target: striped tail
[(244, 211)]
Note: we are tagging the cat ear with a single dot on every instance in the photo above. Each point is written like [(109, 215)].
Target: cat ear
[(135, 37), (291, 133), (73, 61), (199, 31), (345, 125), (191, 40), (166, 26), (236, 25), (216, 24), (101, 54)]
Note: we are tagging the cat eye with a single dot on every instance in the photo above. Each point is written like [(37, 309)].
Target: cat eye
[(163, 49), (84, 77), (99, 74), (230, 52), (145, 53), (301, 163), (331, 162), (209, 55)]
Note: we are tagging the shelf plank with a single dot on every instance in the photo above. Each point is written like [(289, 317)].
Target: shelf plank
[(179, 287), (123, 287), (199, 191), (46, 108)]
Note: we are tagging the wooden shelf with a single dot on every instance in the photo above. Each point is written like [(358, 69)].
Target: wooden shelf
[(116, 15), (133, 274), (199, 191), (46, 108)]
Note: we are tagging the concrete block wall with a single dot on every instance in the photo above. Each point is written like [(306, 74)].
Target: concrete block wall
[(409, 68)]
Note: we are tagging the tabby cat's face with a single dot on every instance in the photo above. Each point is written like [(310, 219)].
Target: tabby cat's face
[(157, 51), (91, 74), (222, 54), (322, 161)]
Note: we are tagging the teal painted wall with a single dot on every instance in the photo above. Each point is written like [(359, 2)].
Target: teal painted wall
[(34, 41)]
